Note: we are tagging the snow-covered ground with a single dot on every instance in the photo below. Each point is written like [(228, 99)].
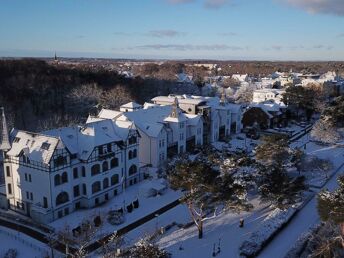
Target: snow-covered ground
[(146, 206), (308, 216), (225, 226), (25, 246), (224, 229)]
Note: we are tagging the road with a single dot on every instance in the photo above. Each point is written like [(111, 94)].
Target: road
[(301, 223)]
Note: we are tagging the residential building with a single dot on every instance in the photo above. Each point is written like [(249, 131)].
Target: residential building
[(50, 174)]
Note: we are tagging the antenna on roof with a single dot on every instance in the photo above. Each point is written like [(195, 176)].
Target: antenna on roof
[(5, 141)]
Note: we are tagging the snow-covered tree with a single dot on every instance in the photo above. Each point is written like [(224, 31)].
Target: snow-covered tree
[(205, 189), (144, 249), (274, 149), (277, 187), (244, 94), (324, 131), (331, 206)]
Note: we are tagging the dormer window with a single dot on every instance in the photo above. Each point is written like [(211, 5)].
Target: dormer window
[(45, 146), (17, 139)]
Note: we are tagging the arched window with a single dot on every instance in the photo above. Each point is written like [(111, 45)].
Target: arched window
[(105, 183), (95, 169), (64, 177), (130, 155), (57, 180), (96, 187), (134, 153), (114, 179), (132, 170), (105, 166), (62, 198), (114, 163)]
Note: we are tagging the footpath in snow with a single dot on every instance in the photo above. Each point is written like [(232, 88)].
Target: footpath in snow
[(308, 216)]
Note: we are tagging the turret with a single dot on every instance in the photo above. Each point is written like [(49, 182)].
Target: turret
[(4, 140)]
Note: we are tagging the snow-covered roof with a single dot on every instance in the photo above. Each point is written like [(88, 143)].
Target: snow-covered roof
[(131, 105), (37, 147), (109, 114)]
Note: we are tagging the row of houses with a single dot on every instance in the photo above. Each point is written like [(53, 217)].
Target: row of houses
[(53, 173)]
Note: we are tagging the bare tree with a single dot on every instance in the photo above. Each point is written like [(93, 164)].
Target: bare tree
[(324, 131)]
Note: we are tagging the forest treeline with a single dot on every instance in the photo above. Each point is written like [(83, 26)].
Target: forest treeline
[(39, 96)]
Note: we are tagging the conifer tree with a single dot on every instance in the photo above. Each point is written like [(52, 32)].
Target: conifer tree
[(331, 206), (205, 189), (277, 188)]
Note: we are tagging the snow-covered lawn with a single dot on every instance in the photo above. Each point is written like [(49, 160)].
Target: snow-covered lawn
[(25, 246), (224, 228), (147, 205)]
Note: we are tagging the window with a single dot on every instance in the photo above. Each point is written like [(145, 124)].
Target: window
[(8, 172), (30, 178), (132, 140), (130, 155), (84, 189), (17, 139), (60, 161), (45, 202), (95, 169), (132, 170), (25, 177), (115, 192), (45, 146), (134, 153), (64, 177), (62, 198), (108, 147), (114, 179), (75, 173), (106, 197), (83, 171), (163, 143), (96, 187), (76, 191), (57, 180), (27, 195), (100, 150), (31, 196), (114, 163), (105, 166), (105, 183)]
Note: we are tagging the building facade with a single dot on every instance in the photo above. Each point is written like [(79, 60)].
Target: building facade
[(51, 174)]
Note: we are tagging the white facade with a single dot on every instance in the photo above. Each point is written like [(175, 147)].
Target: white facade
[(52, 174), (268, 94), (164, 131), (216, 113)]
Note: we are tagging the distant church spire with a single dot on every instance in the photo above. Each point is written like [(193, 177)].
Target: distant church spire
[(55, 57), (5, 141), (175, 107)]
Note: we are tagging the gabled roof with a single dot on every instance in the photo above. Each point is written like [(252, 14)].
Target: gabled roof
[(37, 147)]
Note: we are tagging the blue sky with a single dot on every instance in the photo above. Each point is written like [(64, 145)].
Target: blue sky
[(217, 29)]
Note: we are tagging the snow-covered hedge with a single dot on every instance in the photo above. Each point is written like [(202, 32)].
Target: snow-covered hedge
[(270, 226), (301, 243)]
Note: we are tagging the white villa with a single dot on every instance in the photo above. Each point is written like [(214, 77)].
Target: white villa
[(219, 117), (50, 174), (164, 130), (263, 95)]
